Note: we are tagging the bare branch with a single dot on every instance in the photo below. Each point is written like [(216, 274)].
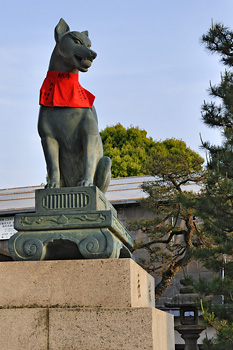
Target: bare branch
[(170, 273), (163, 241)]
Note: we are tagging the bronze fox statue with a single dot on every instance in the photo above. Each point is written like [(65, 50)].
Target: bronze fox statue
[(68, 124)]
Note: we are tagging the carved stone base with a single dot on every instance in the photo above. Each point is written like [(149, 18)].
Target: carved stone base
[(70, 223)]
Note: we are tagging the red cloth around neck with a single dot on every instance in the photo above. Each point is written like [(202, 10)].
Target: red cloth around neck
[(62, 89)]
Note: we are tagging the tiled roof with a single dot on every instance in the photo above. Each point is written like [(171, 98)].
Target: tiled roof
[(120, 191)]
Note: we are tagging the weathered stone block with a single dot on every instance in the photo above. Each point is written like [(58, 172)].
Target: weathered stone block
[(86, 329), (24, 329), (75, 283), (81, 304), (110, 329)]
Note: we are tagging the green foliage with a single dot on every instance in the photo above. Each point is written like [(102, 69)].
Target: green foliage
[(219, 39), (220, 318), (129, 149), (174, 167), (215, 203)]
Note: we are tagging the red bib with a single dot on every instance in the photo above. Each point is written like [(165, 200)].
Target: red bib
[(62, 89)]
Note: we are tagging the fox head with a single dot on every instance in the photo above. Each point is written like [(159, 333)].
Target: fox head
[(73, 48)]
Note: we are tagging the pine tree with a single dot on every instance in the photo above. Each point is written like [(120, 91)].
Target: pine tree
[(175, 167), (172, 233), (216, 202)]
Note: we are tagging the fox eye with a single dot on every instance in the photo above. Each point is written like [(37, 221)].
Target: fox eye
[(77, 41)]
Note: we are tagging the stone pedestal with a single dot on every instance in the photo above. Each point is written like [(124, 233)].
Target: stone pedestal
[(70, 223), (81, 305), (190, 334)]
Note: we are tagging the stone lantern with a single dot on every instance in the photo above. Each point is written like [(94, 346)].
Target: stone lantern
[(189, 326)]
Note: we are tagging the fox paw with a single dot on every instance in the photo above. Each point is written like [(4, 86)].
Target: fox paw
[(85, 183), (52, 184)]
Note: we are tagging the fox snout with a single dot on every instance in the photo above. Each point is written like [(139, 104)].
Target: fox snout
[(93, 54)]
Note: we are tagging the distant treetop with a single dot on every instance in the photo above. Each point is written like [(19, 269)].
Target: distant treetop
[(131, 150)]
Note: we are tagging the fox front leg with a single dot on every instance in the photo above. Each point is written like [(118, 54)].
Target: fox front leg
[(51, 153), (90, 141)]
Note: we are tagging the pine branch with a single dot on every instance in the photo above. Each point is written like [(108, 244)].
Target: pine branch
[(171, 272), (163, 241)]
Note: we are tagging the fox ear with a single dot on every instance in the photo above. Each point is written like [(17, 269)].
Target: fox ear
[(61, 29), (85, 32)]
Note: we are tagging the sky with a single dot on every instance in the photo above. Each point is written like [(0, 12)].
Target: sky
[(151, 71)]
